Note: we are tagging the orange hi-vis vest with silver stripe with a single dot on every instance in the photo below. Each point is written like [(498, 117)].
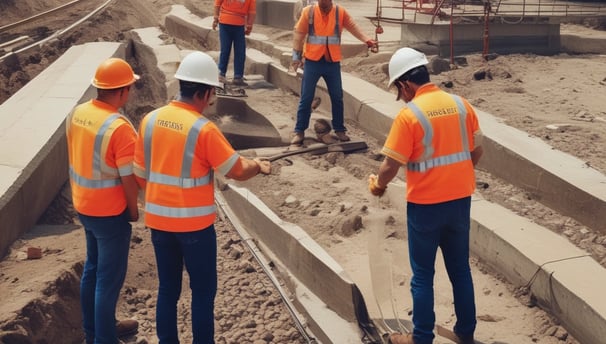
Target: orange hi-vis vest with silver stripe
[(100, 145), (323, 34), (235, 12), (434, 138), (176, 153)]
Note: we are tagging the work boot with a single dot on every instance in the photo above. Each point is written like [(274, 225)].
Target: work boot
[(239, 82), (222, 79), (297, 138), (399, 338), (126, 327), (342, 136)]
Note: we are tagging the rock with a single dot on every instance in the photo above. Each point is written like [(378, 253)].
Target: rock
[(321, 126), (351, 225), (438, 65), (291, 201)]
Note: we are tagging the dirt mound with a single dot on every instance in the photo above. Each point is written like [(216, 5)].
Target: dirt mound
[(52, 317)]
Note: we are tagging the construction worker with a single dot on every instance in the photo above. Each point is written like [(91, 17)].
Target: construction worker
[(236, 18), (101, 145), (175, 156), (317, 39), (438, 138)]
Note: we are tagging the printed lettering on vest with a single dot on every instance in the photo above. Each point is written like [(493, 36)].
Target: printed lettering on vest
[(170, 124), (426, 161)]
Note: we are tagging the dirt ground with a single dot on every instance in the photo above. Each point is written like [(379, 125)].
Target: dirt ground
[(325, 195)]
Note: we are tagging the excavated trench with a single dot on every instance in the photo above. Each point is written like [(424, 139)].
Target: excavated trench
[(53, 316)]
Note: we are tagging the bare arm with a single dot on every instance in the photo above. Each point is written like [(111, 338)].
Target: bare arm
[(476, 154), (387, 171), (298, 38), (352, 27), (297, 50), (250, 19), (247, 168), (131, 192)]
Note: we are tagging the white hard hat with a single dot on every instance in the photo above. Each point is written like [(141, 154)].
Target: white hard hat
[(404, 60), (200, 68)]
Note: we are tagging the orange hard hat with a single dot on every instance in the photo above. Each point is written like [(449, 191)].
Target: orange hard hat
[(114, 73)]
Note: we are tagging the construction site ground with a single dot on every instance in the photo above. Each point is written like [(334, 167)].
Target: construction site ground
[(557, 98)]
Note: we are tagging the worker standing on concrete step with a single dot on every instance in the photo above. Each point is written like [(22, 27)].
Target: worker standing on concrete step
[(176, 154), (101, 145), (236, 19), (317, 40), (438, 138)]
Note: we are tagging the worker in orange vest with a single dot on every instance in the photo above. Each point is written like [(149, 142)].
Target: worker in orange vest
[(236, 19), (101, 145), (438, 139), (177, 152), (322, 24)]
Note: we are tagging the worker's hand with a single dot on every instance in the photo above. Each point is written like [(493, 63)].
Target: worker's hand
[(248, 30), (373, 45), (133, 215), (215, 23), (264, 166), (373, 187), (297, 60), (296, 64)]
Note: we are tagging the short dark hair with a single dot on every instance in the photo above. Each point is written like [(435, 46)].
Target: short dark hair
[(418, 75), (188, 88), (105, 92)]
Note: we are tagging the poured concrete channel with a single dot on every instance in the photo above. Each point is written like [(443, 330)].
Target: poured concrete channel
[(566, 281)]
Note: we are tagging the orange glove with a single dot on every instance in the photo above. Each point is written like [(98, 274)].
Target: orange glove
[(374, 187), (248, 30)]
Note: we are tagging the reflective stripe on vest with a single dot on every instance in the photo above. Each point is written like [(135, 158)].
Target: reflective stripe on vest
[(182, 181), (99, 168), (426, 161), (335, 39), (174, 212)]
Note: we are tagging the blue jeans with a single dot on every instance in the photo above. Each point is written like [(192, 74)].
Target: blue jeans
[(107, 245), (331, 72), (198, 250), (228, 35), (444, 225)]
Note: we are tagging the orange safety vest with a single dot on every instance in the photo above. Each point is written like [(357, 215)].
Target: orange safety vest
[(234, 12), (100, 145), (434, 137), (323, 33), (176, 153)]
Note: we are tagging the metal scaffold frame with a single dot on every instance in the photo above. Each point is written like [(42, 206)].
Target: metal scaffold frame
[(485, 12)]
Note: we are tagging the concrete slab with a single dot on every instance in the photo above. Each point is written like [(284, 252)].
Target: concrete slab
[(33, 127)]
